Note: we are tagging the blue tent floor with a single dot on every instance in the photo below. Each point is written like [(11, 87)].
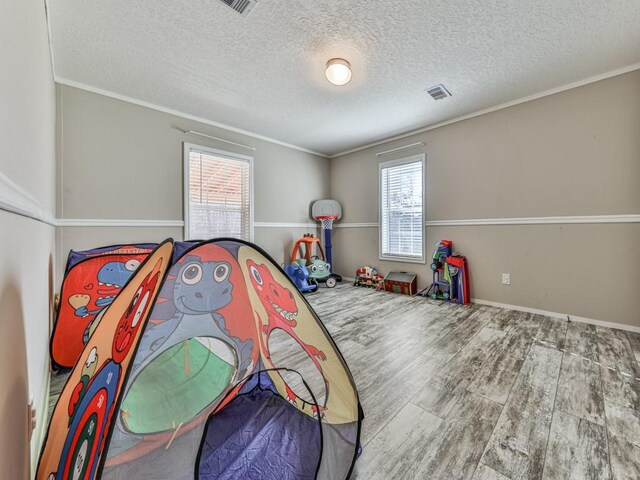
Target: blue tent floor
[(260, 436)]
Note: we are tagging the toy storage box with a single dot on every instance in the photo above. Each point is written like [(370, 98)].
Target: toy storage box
[(401, 282)]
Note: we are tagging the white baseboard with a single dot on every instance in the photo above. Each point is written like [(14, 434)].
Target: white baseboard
[(573, 318), (41, 422)]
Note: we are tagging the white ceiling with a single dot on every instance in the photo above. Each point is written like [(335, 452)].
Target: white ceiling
[(265, 73)]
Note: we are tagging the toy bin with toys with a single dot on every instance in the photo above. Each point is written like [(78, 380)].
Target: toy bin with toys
[(401, 282)]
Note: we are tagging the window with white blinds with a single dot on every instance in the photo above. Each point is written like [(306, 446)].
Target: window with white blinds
[(218, 197), (402, 209)]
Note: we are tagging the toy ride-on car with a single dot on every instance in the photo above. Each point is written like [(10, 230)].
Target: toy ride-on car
[(319, 269)]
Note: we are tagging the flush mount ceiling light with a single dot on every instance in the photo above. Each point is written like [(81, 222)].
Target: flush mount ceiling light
[(338, 71)]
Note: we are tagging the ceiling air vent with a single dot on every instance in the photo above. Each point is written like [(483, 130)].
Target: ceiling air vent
[(243, 7), (438, 92)]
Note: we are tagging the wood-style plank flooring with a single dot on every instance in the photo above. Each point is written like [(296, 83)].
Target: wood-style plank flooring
[(477, 392)]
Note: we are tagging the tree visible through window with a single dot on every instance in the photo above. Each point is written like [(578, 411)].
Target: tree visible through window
[(402, 209), (218, 194)]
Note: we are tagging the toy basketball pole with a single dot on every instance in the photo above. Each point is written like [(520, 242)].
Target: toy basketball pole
[(327, 211), (327, 226)]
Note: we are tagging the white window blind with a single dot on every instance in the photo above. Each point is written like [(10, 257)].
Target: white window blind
[(402, 209), (218, 199)]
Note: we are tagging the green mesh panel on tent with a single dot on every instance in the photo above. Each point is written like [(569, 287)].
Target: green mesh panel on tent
[(175, 388)]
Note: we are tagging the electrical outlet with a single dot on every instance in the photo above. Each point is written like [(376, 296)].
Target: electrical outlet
[(506, 279)]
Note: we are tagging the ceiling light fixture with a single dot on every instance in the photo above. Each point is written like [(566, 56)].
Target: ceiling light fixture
[(338, 71)]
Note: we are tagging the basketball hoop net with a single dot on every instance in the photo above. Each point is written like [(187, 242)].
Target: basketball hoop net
[(327, 221)]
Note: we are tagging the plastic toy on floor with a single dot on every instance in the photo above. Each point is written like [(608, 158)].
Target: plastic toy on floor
[(299, 275), (440, 288), (368, 277), (442, 251), (319, 269), (450, 275), (458, 273)]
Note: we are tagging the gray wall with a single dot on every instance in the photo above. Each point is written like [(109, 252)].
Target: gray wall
[(573, 153), (118, 160), (27, 126)]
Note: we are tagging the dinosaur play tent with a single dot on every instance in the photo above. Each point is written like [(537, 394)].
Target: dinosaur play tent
[(207, 365), (92, 280)]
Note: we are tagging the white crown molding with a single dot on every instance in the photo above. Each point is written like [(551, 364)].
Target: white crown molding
[(546, 93), (170, 111), (177, 113), (573, 318), (536, 220), (14, 199)]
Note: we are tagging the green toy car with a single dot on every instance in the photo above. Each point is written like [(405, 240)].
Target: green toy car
[(319, 269)]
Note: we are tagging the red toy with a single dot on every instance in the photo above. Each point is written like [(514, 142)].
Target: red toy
[(368, 277), (459, 278), (401, 282)]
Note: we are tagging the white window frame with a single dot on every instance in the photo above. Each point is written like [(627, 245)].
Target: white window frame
[(393, 163), (188, 148)]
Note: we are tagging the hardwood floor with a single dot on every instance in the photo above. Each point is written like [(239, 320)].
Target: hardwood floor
[(477, 392)]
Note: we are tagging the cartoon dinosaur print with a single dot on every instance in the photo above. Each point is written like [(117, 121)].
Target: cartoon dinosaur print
[(195, 293), (111, 277), (200, 290), (280, 305), (94, 396), (281, 308)]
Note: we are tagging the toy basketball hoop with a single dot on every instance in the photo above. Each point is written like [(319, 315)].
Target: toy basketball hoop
[(326, 208), (327, 221)]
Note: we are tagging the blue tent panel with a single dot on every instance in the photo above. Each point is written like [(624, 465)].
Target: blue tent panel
[(260, 436)]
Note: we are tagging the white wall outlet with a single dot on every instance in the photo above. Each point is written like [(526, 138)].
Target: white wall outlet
[(506, 279)]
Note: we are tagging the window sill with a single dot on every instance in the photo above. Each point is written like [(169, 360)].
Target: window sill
[(388, 258)]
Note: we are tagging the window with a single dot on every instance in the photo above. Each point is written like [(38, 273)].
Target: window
[(402, 209), (218, 194)]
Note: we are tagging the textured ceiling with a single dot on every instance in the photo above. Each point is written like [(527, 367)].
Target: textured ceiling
[(265, 73)]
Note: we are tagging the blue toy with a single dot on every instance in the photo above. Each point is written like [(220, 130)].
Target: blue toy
[(443, 250), (299, 275)]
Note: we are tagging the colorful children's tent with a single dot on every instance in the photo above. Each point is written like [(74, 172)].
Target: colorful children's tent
[(92, 280), (214, 368)]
